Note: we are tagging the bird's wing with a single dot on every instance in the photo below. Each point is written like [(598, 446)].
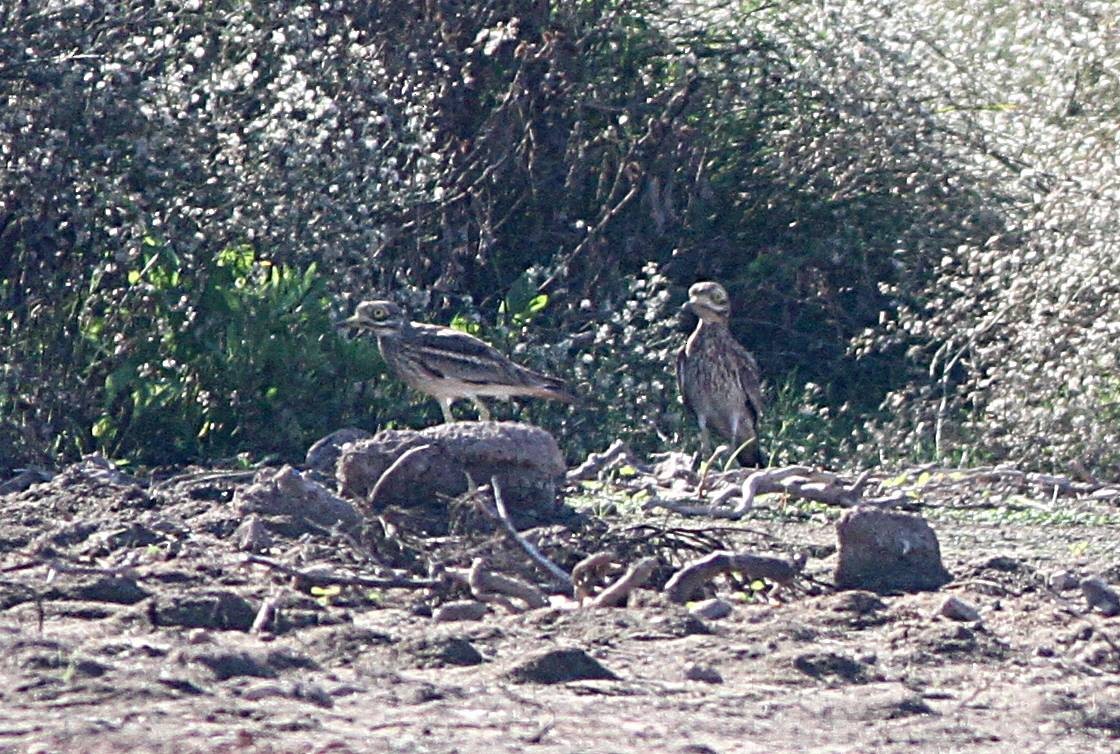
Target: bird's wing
[(452, 353), (458, 355), (682, 388), (749, 379)]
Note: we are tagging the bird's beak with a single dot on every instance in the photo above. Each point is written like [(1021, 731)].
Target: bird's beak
[(353, 321), (687, 306)]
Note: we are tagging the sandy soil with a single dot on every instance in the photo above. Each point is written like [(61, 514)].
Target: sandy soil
[(126, 612)]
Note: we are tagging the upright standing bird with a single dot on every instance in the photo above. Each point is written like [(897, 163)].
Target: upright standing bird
[(448, 364), (718, 378)]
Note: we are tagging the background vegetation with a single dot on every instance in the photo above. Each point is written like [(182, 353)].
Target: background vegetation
[(913, 204)]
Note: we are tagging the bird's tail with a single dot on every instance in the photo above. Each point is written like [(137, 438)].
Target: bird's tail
[(552, 388)]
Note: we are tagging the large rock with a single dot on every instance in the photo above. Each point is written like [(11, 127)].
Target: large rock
[(887, 551), (525, 459)]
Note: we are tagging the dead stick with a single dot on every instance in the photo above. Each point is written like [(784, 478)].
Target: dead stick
[(486, 585), (394, 467), (589, 570), (315, 578), (562, 578), (637, 575), (685, 582)]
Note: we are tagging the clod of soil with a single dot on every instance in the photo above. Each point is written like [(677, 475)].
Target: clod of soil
[(441, 651), (526, 460), (560, 666), (888, 551), (825, 665), (221, 610), (288, 493)]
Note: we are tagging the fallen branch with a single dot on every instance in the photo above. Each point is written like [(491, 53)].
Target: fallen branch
[(56, 564), (561, 578), (266, 616), (319, 577), (617, 452), (389, 473), (797, 481), (488, 586), (687, 581), (588, 572), (637, 575)]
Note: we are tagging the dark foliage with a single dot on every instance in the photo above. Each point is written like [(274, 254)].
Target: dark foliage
[(466, 157)]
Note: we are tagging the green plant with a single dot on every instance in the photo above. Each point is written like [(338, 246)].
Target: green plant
[(239, 355)]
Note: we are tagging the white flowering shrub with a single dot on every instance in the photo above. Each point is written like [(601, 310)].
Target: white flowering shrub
[(911, 200), (1015, 332)]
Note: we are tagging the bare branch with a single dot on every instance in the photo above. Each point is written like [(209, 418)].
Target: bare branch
[(687, 581)]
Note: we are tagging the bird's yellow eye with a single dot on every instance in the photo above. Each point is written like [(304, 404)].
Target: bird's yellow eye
[(380, 313)]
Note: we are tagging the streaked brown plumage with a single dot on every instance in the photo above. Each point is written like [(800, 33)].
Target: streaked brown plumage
[(448, 364), (718, 378)]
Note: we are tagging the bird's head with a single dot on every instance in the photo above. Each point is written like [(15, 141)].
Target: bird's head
[(381, 317), (709, 302)]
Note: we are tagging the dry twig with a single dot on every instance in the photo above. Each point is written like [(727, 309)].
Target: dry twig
[(685, 582), (561, 578), (394, 467), (487, 586), (637, 575), (320, 577)]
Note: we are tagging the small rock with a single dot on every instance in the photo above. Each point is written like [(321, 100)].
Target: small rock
[(954, 608), (1063, 581), (560, 666), (1101, 596), (459, 611), (132, 535), (226, 664), (713, 609), (823, 664), (702, 673), (439, 652), (1004, 563), (285, 492), (115, 589), (251, 535), (262, 691), (218, 609), (887, 551)]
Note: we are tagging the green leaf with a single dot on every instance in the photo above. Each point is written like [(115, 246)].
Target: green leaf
[(103, 427), (462, 324), (537, 303)]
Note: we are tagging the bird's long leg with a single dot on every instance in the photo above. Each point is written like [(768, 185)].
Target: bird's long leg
[(445, 406), (705, 439), (483, 412)]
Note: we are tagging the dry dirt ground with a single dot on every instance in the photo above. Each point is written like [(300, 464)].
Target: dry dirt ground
[(126, 614)]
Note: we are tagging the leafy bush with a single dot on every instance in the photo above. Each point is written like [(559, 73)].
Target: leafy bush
[(203, 362), (471, 158)]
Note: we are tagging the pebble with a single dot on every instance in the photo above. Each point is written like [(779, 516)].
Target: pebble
[(1101, 596), (954, 608), (459, 611), (702, 673), (1063, 581), (712, 609)]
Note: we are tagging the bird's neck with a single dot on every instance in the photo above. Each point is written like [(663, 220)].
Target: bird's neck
[(710, 327)]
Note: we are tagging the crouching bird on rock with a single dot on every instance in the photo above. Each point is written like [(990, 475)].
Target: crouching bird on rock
[(448, 364), (718, 378)]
